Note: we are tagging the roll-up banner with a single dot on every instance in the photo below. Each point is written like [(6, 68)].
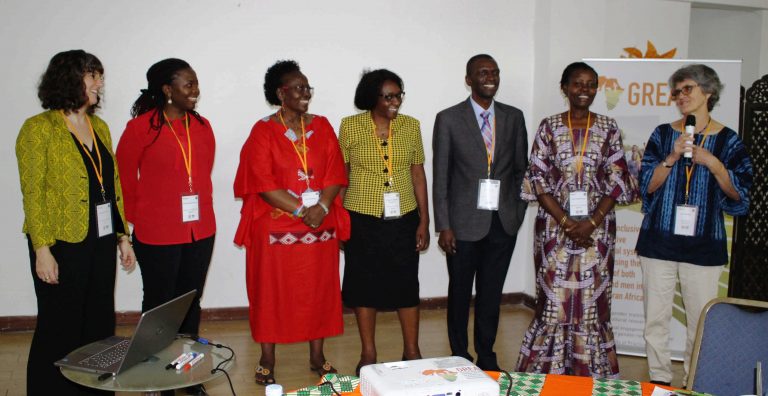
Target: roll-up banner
[(636, 93)]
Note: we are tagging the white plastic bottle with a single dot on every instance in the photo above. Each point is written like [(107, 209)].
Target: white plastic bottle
[(274, 390)]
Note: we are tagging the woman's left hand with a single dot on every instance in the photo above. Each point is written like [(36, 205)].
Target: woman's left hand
[(702, 156), (314, 216), (127, 256), (422, 237)]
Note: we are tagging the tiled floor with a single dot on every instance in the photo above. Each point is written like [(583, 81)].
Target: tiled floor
[(292, 369)]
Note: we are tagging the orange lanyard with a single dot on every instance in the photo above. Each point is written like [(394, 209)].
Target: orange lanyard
[(387, 159), (96, 170), (302, 158), (187, 159), (580, 162), (689, 169)]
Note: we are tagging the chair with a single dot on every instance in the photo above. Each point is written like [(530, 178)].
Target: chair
[(731, 338)]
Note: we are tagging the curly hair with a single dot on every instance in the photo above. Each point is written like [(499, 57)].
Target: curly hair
[(62, 87), (703, 75), (369, 87), (152, 98), (573, 67), (273, 79)]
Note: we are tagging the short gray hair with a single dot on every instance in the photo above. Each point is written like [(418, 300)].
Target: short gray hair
[(703, 75)]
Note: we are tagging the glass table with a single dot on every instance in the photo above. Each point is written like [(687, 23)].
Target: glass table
[(151, 377)]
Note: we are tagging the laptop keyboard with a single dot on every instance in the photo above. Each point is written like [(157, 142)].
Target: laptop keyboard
[(107, 357)]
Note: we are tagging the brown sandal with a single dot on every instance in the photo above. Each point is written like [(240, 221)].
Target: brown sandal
[(326, 368), (264, 376)]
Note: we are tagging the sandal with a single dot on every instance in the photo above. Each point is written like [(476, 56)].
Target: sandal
[(264, 376), (326, 368)]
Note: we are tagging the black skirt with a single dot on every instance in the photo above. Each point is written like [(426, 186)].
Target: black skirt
[(381, 264)]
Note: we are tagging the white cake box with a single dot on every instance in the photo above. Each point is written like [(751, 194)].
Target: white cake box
[(444, 376)]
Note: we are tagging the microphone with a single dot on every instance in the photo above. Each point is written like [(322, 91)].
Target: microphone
[(690, 128)]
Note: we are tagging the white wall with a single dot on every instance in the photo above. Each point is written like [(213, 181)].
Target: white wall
[(714, 33), (230, 44)]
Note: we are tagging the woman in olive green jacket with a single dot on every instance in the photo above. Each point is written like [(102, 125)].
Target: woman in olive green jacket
[(73, 218)]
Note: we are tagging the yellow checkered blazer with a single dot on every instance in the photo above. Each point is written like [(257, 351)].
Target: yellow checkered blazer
[(363, 153)]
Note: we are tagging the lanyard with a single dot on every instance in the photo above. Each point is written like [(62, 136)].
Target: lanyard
[(96, 170), (580, 162), (187, 159), (689, 169), (302, 158), (386, 158)]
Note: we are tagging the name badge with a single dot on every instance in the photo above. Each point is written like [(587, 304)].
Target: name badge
[(578, 203), (190, 208), (685, 220), (392, 205), (488, 194), (104, 218), (310, 198)]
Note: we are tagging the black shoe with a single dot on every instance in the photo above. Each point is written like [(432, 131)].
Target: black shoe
[(662, 383), (196, 390)]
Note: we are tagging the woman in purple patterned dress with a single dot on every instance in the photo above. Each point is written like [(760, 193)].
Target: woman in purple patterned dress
[(577, 173)]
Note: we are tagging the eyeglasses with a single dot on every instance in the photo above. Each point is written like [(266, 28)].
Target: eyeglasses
[(685, 89), (390, 97), (302, 89)]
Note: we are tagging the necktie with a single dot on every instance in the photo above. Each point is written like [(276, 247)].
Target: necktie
[(487, 131)]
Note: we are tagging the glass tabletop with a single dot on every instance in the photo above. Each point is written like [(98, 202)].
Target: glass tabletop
[(151, 375)]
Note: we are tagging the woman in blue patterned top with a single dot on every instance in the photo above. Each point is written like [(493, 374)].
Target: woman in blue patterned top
[(683, 232)]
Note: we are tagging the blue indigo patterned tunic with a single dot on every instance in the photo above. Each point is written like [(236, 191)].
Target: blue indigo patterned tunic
[(708, 246)]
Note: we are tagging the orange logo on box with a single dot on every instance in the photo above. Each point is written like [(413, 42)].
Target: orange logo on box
[(447, 375)]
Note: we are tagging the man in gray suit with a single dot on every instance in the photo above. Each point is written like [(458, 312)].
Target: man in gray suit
[(480, 149)]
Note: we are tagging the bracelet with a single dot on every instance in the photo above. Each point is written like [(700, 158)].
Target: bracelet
[(563, 220), (592, 222), (126, 238), (601, 212), (325, 208), (298, 210)]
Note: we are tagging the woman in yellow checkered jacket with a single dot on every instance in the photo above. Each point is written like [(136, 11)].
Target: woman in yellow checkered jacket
[(387, 203)]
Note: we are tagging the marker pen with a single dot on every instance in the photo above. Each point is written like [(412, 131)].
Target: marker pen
[(194, 361), (187, 359), (178, 359)]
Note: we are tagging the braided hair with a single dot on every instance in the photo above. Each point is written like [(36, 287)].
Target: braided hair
[(152, 98)]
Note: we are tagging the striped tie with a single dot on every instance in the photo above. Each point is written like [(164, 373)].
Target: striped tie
[(487, 132)]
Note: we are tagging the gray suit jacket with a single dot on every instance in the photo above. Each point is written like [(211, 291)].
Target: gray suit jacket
[(460, 161)]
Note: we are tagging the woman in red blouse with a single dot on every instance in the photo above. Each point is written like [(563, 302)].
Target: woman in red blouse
[(166, 156), (290, 173)]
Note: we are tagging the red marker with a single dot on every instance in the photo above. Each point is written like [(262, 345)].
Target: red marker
[(194, 361)]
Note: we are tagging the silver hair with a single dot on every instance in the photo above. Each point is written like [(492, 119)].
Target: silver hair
[(703, 75)]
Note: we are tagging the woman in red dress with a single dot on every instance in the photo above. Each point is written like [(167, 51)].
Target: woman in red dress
[(290, 173)]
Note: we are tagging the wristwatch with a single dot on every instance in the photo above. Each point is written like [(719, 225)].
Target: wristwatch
[(665, 164)]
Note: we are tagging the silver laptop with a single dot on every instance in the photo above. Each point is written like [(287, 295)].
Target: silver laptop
[(156, 330)]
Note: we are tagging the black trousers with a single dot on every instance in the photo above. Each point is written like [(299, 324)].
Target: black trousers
[(488, 261), (77, 311), (168, 271)]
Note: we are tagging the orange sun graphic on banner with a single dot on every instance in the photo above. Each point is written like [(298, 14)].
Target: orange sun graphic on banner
[(650, 52)]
